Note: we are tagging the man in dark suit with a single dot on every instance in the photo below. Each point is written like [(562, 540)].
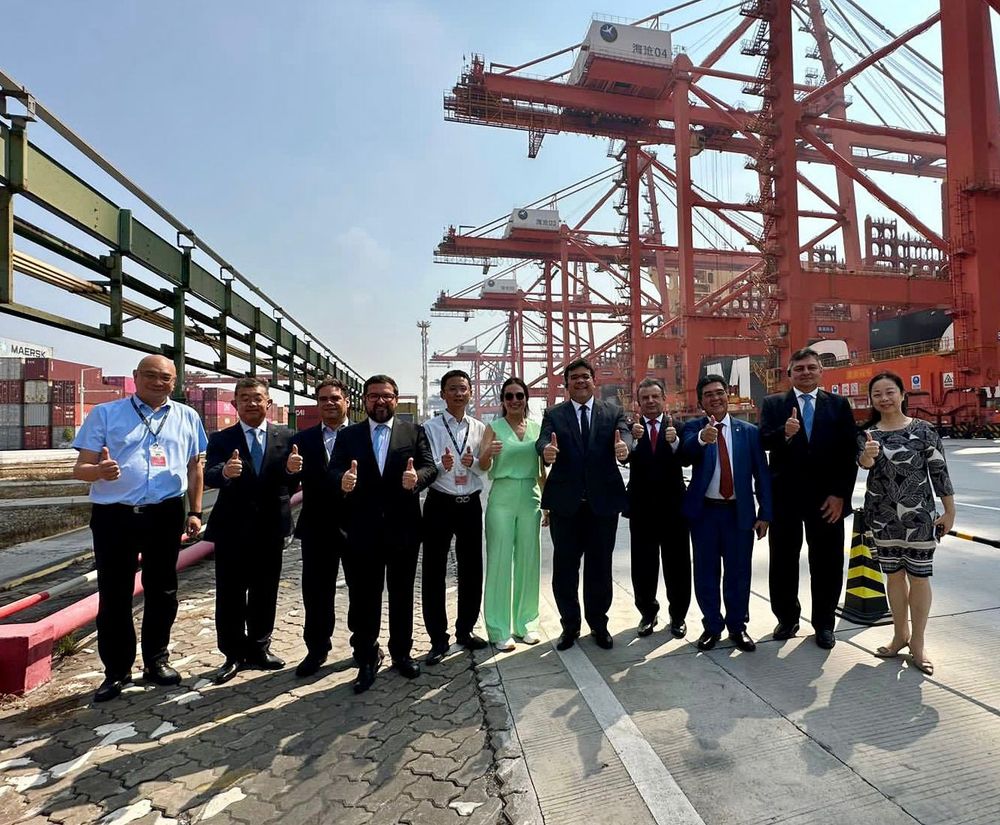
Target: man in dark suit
[(657, 524), (584, 493), (381, 465), (810, 435), (319, 527), (249, 523), (729, 468)]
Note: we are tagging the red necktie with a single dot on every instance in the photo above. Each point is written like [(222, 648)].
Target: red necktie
[(652, 434), (725, 469)]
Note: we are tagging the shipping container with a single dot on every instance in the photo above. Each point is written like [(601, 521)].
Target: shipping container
[(218, 394), (11, 415), (543, 220), (630, 44), (11, 391), (101, 394), (11, 369), (11, 438), (37, 391), (126, 383), (37, 438), (62, 437), (65, 415), (37, 415), (54, 369), (63, 392), (194, 394)]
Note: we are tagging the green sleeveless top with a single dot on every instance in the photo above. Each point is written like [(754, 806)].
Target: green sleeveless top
[(517, 459)]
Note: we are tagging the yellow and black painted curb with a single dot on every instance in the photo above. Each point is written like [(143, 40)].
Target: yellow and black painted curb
[(864, 599)]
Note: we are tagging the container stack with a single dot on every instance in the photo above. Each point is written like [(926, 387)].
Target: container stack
[(218, 411)]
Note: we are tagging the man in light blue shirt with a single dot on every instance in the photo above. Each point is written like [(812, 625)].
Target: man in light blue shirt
[(141, 455)]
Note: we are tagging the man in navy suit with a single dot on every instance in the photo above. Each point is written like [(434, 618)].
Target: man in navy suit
[(584, 493), (319, 527), (729, 467), (810, 437), (381, 465), (249, 523)]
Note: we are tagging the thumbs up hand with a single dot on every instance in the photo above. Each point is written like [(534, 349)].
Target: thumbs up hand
[(670, 433), (637, 429), (447, 460), (710, 433), (871, 447), (621, 448), (350, 479), (792, 425), (467, 458), (234, 467), (551, 451), (107, 467), (409, 476), (294, 463)]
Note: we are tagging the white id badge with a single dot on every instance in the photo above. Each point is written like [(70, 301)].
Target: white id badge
[(157, 456), (461, 477)]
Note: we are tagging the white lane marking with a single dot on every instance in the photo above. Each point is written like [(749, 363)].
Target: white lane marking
[(662, 795), (977, 506)]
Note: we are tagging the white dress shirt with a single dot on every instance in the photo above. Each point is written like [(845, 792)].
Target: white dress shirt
[(590, 413), (712, 491), (380, 455), (659, 429), (258, 434), (330, 438), (467, 433), (813, 395)]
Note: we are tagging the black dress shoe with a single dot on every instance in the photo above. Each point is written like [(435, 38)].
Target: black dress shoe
[(567, 640), (646, 626), (785, 631), (263, 660), (603, 639), (228, 670), (160, 673), (437, 654), (743, 641), (111, 688), (678, 629), (406, 667), (707, 640), (825, 639), (310, 664), (472, 642), (367, 672)]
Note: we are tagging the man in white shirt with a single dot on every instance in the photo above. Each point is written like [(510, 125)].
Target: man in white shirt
[(453, 509)]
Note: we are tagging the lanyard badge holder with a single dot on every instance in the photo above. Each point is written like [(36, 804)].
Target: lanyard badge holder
[(460, 470), (157, 455)]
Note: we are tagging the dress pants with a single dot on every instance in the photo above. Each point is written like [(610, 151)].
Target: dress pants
[(826, 565), (247, 571), (321, 556), (722, 550), (588, 536), (447, 516), (510, 606), (660, 538), (120, 535), (381, 559)]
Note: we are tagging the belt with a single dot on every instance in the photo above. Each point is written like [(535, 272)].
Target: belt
[(143, 508), (720, 502), (456, 499)]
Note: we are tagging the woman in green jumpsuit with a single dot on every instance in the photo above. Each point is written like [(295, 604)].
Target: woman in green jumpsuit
[(513, 516)]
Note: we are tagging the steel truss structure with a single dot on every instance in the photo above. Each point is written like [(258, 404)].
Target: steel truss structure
[(99, 254)]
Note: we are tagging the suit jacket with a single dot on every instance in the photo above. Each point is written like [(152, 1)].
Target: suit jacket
[(750, 473), (584, 471), (252, 504), (656, 483), (805, 471), (379, 501), (322, 504)]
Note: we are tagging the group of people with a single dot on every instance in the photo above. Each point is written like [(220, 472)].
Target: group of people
[(361, 509)]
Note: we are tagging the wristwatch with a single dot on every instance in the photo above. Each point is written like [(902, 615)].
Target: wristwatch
[(195, 513)]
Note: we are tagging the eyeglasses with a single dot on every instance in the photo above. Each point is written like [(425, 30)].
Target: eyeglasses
[(384, 396), (512, 396)]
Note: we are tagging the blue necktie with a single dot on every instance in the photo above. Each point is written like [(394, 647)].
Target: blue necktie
[(380, 433), (807, 414), (256, 452)]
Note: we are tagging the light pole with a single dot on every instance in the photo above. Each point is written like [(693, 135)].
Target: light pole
[(82, 390)]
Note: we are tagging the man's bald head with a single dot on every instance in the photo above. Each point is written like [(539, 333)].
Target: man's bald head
[(157, 362), (154, 380)]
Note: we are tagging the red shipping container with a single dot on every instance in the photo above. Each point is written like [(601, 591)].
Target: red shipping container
[(194, 394), (63, 392), (54, 369), (218, 394), (126, 383), (11, 391), (66, 415), (37, 438)]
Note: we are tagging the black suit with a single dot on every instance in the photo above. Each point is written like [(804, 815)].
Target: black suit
[(320, 531), (657, 525), (249, 523), (383, 533), (804, 472), (584, 493)]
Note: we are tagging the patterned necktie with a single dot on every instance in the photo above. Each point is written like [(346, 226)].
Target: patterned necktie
[(256, 451), (807, 414), (584, 425), (652, 434), (725, 468), (380, 433)]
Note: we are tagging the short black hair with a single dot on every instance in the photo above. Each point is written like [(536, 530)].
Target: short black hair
[(711, 378), (380, 379), (651, 382), (334, 382), (575, 365), (454, 374), (802, 355), (251, 382)]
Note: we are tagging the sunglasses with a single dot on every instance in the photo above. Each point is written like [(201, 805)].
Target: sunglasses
[(513, 396)]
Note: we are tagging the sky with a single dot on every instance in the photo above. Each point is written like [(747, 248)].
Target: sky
[(306, 142)]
